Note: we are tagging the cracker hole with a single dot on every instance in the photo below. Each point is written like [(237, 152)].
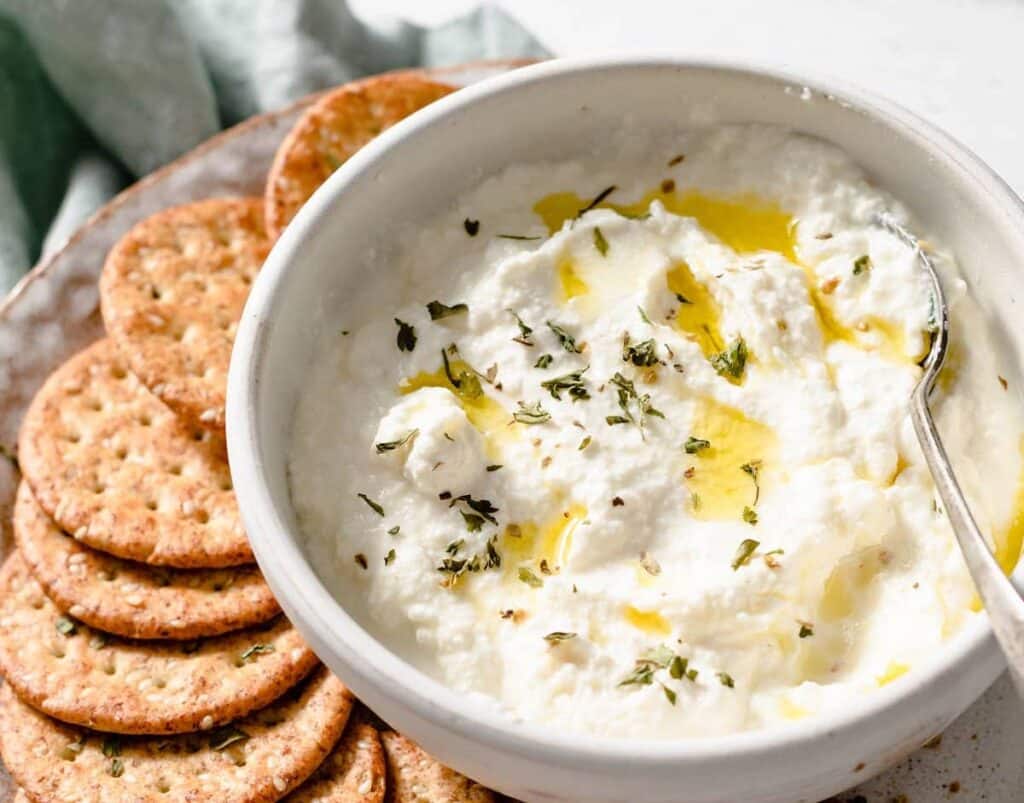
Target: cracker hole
[(94, 404), (110, 669), (225, 485), (163, 787), (198, 435), (99, 488), (37, 604), (121, 453), (202, 516), (175, 470), (73, 437), (151, 504), (118, 372), (145, 420), (154, 293)]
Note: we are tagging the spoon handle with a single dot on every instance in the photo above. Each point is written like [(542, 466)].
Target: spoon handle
[(1003, 604)]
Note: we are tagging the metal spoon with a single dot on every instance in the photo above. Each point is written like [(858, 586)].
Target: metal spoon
[(1003, 604)]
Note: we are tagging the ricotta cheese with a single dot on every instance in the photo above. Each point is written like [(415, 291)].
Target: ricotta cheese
[(623, 446)]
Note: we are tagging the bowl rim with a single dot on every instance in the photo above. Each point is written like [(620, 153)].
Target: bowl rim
[(332, 631)]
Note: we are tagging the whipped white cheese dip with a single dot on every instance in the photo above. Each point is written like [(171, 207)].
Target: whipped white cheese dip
[(644, 467)]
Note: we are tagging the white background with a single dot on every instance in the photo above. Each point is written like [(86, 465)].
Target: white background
[(960, 64)]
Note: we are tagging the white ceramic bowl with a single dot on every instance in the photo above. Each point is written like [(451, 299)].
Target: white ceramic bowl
[(553, 111)]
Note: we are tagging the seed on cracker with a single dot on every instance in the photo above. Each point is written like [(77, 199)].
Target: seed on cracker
[(414, 776), (119, 471), (172, 291), (131, 599), (85, 677), (258, 759), (333, 129), (354, 772)]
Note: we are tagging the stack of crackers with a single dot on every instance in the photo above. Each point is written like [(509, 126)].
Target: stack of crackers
[(145, 657)]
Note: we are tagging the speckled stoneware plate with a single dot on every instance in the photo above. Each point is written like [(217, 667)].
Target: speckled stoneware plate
[(54, 311)]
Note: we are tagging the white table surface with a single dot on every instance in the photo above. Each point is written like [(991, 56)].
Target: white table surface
[(960, 64)]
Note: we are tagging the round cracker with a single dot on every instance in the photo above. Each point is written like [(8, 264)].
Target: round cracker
[(415, 777), (119, 471), (333, 129), (84, 677), (354, 772), (172, 291), (135, 600), (259, 760)]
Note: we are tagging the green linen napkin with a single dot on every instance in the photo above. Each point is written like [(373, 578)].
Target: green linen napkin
[(95, 93)]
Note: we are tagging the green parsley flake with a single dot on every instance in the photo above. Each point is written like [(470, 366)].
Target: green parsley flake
[(525, 331), (406, 336), (558, 636), (749, 515), (642, 355), (696, 445), (726, 679), (567, 341), (473, 521), (483, 507), (628, 397), (743, 554), (572, 383), (531, 413), (373, 505), (390, 446), (861, 264), (528, 577), (753, 468), (256, 649), (600, 243), (439, 311), (732, 361), (642, 675), (597, 200), (66, 626), (389, 558), (72, 749), (543, 361)]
